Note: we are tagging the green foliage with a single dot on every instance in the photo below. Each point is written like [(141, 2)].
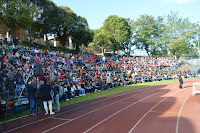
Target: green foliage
[(64, 23), (118, 31), (91, 46), (148, 33), (161, 36), (81, 33), (178, 34), (101, 40)]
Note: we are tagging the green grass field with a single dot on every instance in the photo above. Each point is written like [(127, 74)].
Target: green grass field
[(99, 94)]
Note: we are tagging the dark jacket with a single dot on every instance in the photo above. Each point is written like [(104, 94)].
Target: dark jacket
[(18, 78), (45, 90), (56, 89), (31, 90)]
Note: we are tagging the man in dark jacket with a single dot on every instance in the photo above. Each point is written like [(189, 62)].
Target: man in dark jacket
[(44, 92), (180, 79), (56, 94), (19, 81), (31, 94)]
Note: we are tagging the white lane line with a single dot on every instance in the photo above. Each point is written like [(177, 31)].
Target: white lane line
[(127, 92), (81, 107), (121, 111), (97, 110), (63, 119), (178, 119), (152, 109)]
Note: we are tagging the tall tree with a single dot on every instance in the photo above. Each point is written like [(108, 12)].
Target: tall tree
[(118, 31), (101, 40), (46, 24), (64, 23), (19, 13), (11, 13), (178, 34), (81, 33), (148, 33)]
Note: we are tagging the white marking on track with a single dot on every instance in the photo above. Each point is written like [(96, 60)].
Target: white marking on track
[(121, 111), (152, 109), (97, 110), (178, 119), (84, 106), (63, 119)]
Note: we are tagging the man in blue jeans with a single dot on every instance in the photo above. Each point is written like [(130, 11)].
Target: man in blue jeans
[(31, 94), (56, 94), (19, 81)]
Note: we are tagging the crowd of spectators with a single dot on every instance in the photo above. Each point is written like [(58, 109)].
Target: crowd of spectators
[(78, 74)]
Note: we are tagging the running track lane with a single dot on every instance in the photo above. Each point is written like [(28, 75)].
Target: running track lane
[(124, 121), (164, 115), (27, 121), (63, 118), (73, 108), (191, 113), (105, 115)]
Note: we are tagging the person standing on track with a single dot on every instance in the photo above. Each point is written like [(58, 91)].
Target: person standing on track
[(180, 79), (31, 93), (56, 94), (45, 90)]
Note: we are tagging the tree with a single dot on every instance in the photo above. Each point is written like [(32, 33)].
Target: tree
[(148, 33), (118, 31), (101, 40), (19, 14), (65, 21), (10, 13), (81, 33), (46, 24), (178, 34)]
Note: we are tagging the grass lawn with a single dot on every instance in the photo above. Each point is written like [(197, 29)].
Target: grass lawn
[(99, 94)]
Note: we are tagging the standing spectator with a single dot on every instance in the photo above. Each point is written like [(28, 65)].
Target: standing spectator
[(108, 81), (56, 94), (45, 90), (1, 39), (10, 40), (180, 79), (16, 41), (19, 81), (198, 72), (31, 94)]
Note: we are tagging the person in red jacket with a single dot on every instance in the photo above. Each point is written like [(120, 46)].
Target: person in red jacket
[(5, 59)]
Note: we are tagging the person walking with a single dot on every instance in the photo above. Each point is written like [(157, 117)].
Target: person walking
[(45, 90), (180, 79)]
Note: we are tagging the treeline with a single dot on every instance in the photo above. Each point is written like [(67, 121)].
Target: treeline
[(42, 17), (161, 36)]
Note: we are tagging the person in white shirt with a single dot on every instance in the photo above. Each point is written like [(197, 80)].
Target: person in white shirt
[(81, 91), (17, 54)]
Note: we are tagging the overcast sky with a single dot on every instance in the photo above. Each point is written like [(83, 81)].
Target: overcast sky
[(96, 11)]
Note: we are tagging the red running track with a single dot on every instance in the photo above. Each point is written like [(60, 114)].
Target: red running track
[(161, 108)]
